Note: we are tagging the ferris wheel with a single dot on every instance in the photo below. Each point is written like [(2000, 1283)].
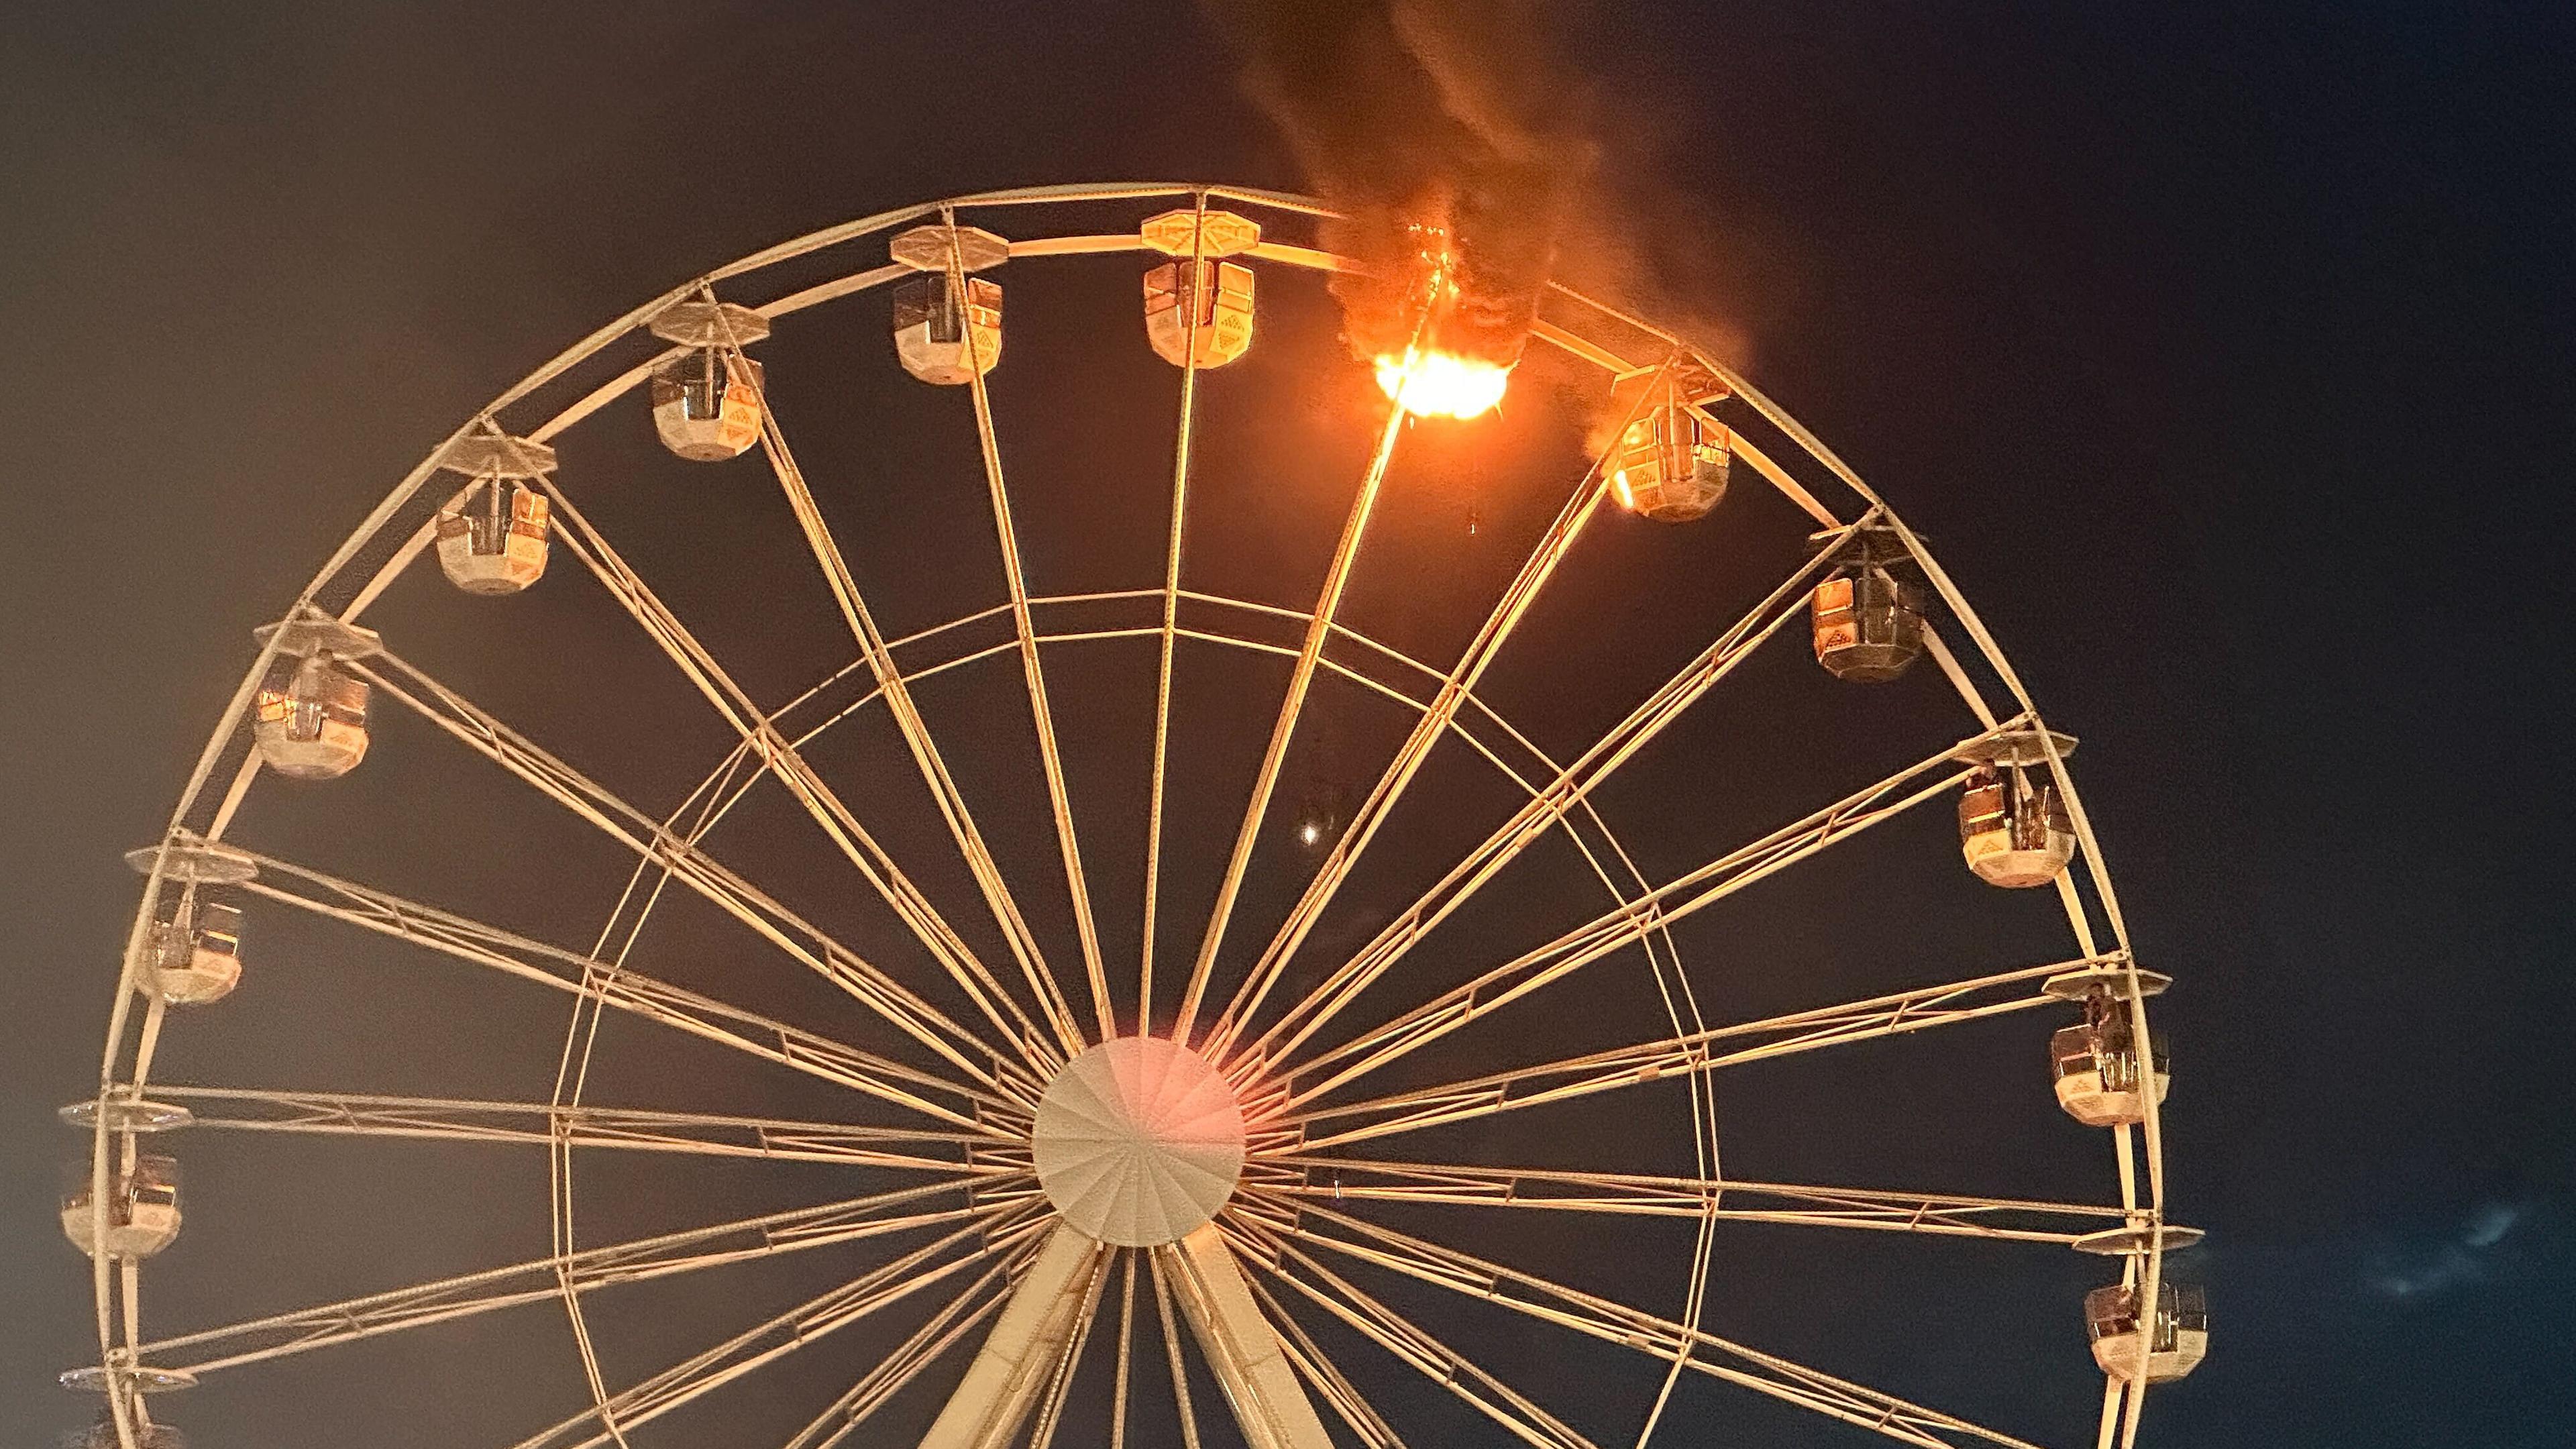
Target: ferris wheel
[(1323, 1046)]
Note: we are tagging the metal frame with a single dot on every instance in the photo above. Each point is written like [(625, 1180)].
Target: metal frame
[(959, 1128)]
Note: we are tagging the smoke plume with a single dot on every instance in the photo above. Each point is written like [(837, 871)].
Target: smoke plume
[(1440, 126)]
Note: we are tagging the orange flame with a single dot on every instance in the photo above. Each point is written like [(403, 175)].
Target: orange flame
[(1439, 384)]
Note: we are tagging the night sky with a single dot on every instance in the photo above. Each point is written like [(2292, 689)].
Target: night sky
[(2223, 351)]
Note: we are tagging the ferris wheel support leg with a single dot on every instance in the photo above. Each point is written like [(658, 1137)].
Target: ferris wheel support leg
[(1035, 1330), (1328, 1380), (1250, 1364)]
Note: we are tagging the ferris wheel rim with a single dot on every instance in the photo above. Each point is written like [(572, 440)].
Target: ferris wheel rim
[(372, 532)]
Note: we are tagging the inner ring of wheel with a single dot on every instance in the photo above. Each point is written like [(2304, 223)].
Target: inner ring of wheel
[(1236, 627)]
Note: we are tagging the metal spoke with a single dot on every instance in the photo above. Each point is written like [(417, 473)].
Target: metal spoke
[(970, 1107), (916, 734), (1051, 1412), (782, 758), (694, 1134), (1032, 670), (1250, 1364), (1410, 756), (945, 1330), (1745, 448), (1126, 1349), (1548, 807), (755, 1348), (1172, 1350), (1632, 921), (1181, 446), (1686, 1055), (1319, 627), (1028, 1345), (1325, 1376), (808, 944), (1647, 1333), (1415, 1346), (1338, 1179), (540, 1280)]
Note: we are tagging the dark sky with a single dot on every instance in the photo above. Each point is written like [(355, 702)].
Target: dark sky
[(2225, 351)]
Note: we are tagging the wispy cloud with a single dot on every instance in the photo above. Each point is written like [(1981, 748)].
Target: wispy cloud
[(2458, 1261)]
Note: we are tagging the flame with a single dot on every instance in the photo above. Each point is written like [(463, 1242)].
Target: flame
[(1441, 384)]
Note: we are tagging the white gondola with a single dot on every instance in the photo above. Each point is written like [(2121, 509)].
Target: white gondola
[(707, 401), (309, 721), (1867, 616), (492, 534), (2014, 828), (941, 337), (930, 329), (706, 405), (492, 537), (312, 723), (1671, 464), (194, 958), (1222, 297), (1196, 280), (2101, 1079), (142, 1209), (2172, 1346)]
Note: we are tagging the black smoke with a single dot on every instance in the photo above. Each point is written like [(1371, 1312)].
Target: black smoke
[(1433, 126)]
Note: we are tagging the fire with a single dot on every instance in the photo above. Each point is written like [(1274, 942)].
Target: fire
[(1439, 384)]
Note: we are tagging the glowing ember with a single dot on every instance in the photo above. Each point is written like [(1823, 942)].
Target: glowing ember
[(1442, 384)]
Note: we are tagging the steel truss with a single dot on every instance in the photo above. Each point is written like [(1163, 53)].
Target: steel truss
[(1686, 1055), (1338, 1179), (540, 1280), (693, 1134)]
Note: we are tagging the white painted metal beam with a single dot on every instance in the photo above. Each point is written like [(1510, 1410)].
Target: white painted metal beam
[(1035, 1329), (1258, 1379)]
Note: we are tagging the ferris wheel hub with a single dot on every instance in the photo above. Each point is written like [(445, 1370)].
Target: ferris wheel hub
[(1138, 1142)]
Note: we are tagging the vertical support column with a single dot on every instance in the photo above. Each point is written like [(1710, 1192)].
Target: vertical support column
[(1259, 1382), (1035, 1330)]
